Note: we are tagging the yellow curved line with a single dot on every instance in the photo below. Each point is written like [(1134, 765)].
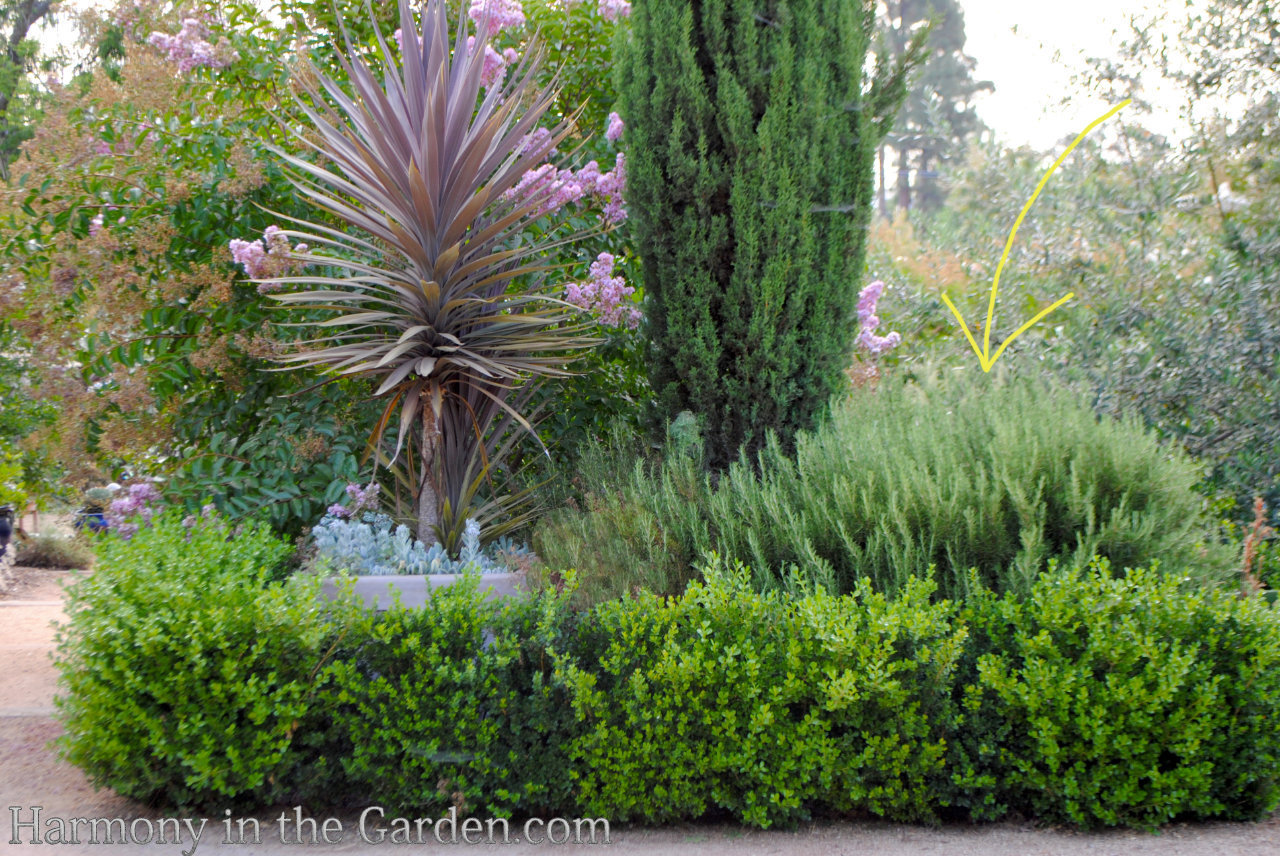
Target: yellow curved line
[(984, 355), (1023, 329), (965, 327)]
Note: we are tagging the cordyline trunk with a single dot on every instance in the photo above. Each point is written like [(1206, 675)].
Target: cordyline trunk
[(428, 492)]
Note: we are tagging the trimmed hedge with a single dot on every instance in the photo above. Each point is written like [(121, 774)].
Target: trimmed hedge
[(1123, 702), (453, 705), (184, 674), (190, 679), (763, 705)]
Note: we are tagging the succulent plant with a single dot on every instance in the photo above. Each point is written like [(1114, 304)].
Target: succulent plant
[(373, 546)]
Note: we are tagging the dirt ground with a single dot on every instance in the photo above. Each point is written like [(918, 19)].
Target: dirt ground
[(31, 775)]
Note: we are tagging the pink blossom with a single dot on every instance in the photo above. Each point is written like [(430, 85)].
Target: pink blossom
[(589, 176), (869, 321), (533, 184), (268, 257), (362, 499), (136, 504), (494, 68), (537, 141), (613, 132), (605, 295), (612, 10), (190, 49), (95, 226), (558, 188), (493, 16), (553, 188), (610, 187)]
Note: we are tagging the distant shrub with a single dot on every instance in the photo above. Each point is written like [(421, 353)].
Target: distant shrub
[(1122, 702), (1202, 370), (974, 474), (184, 675), (53, 551)]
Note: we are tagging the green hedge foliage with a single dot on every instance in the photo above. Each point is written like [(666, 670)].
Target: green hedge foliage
[(184, 674), (764, 705), (1093, 699), (453, 705), (970, 474), (1130, 701)]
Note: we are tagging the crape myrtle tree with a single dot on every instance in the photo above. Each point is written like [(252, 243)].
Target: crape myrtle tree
[(752, 126), (143, 247)]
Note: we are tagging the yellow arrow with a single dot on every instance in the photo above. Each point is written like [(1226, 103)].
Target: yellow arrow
[(985, 357)]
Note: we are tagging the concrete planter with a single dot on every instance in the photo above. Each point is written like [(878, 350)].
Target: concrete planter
[(377, 592)]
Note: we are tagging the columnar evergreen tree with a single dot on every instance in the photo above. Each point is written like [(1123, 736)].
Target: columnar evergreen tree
[(752, 129)]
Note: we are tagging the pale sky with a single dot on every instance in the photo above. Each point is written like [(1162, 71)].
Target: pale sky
[(1031, 48)]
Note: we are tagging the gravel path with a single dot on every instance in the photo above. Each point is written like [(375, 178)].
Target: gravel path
[(31, 775)]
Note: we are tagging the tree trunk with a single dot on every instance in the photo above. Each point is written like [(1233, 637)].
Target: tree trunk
[(926, 183), (428, 490), (884, 202), (904, 179)]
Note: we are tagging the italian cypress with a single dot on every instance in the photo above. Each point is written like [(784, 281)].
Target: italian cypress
[(752, 128)]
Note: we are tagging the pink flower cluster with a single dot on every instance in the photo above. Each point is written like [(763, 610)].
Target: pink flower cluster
[(867, 337), (400, 39), (553, 188), (539, 139), (495, 16), (612, 10), (610, 187), (125, 513), (268, 257), (557, 188), (613, 132), (605, 295), (495, 64), (362, 499), (190, 49)]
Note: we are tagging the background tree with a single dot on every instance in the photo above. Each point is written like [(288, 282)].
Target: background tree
[(937, 116), (752, 133), (18, 56)]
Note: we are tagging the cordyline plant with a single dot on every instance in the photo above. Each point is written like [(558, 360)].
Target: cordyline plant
[(441, 300)]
